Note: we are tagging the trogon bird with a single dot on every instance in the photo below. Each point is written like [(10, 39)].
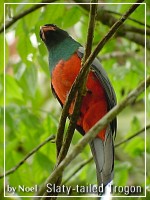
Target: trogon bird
[(65, 55)]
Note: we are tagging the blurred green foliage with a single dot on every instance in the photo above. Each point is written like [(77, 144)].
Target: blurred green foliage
[(32, 113)]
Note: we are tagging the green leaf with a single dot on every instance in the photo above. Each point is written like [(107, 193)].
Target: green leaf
[(13, 91), (2, 54), (44, 64), (44, 161), (135, 126), (24, 45), (121, 173), (71, 17), (2, 12), (52, 13), (1, 89), (135, 147), (28, 80)]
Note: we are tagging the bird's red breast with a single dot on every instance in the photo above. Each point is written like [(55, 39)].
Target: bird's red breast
[(94, 104)]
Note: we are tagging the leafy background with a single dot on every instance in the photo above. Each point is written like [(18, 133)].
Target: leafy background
[(32, 113)]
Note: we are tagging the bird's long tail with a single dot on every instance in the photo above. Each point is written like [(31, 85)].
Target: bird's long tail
[(103, 154)]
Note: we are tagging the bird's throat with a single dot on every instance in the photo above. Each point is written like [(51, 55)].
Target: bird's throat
[(62, 51)]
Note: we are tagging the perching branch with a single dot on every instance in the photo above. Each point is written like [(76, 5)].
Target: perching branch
[(90, 35), (71, 96), (65, 143), (93, 132), (12, 170), (77, 84), (84, 163), (72, 93)]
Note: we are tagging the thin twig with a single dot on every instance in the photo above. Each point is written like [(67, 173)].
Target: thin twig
[(132, 136), (111, 32), (136, 30), (84, 163), (90, 35), (12, 170), (130, 18), (81, 165), (24, 13), (108, 20), (88, 49), (91, 134), (118, 54)]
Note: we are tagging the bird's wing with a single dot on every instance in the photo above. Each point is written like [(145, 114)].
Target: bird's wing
[(103, 151), (104, 80)]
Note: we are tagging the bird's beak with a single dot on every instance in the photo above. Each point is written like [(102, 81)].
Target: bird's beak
[(44, 29), (42, 32), (47, 28), (42, 35)]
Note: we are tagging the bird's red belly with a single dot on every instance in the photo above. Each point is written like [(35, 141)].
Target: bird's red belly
[(94, 104)]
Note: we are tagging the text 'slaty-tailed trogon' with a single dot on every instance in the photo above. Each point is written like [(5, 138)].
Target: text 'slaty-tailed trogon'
[(65, 56)]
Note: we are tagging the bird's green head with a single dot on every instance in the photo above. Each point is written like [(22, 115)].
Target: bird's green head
[(60, 45)]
